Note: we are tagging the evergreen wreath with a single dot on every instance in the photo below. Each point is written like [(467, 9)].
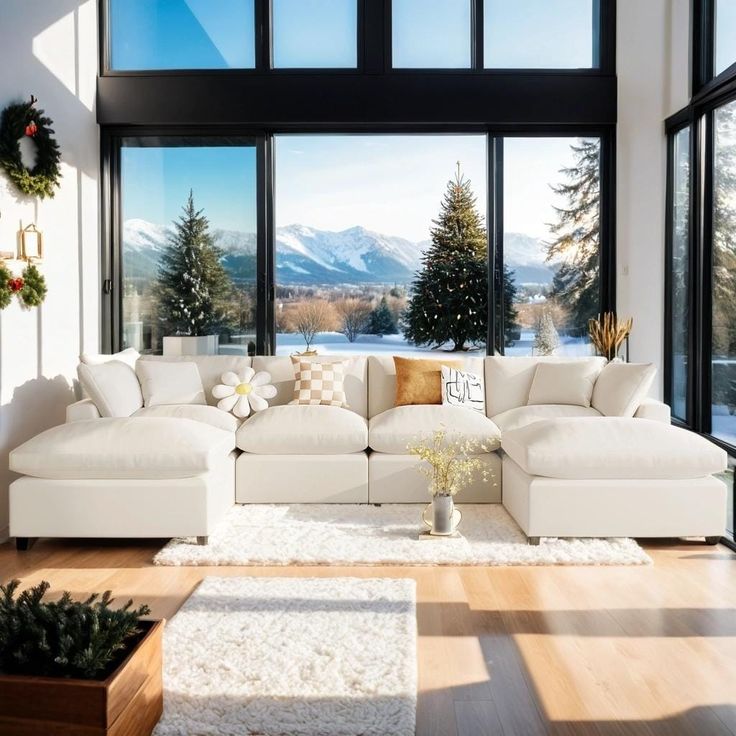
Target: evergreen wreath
[(33, 291), (23, 119)]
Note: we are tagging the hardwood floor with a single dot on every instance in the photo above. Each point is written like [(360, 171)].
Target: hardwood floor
[(517, 650)]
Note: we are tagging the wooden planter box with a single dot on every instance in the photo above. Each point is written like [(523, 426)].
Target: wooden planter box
[(128, 703)]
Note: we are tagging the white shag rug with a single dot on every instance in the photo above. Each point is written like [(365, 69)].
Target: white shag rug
[(336, 534), (292, 657)]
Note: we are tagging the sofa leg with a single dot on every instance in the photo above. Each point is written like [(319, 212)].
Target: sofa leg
[(23, 544), (534, 541), (203, 541), (713, 540)]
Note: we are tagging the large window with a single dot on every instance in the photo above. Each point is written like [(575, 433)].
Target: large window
[(700, 378), (361, 243), (315, 33), (182, 34), (551, 244), (723, 349), (188, 246), (541, 34), (431, 34), (679, 277)]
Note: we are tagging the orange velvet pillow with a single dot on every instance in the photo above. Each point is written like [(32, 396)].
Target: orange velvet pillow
[(419, 380)]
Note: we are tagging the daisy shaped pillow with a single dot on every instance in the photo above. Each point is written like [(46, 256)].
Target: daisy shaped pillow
[(242, 393)]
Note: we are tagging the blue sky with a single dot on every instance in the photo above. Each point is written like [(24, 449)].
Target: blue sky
[(388, 183), (538, 33), (725, 34), (220, 34), (156, 184)]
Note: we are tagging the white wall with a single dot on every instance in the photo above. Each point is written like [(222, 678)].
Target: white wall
[(49, 49), (653, 40)]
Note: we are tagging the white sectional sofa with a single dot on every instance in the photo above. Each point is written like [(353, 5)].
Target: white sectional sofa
[(174, 470)]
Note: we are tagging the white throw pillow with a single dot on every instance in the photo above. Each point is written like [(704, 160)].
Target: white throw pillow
[(460, 388), (564, 382), (128, 356), (621, 387), (112, 386), (170, 383)]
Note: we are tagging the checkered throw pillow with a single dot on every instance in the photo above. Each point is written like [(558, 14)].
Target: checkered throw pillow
[(319, 383)]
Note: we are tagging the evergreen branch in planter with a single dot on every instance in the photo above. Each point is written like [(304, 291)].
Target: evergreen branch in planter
[(66, 638)]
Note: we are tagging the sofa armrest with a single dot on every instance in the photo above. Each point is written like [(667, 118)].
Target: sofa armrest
[(653, 409), (79, 410)]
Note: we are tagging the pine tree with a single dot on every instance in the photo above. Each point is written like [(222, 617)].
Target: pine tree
[(382, 319), (546, 341), (194, 288), (449, 300), (576, 284), (510, 313)]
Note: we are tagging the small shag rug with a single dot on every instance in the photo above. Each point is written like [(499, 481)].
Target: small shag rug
[(335, 534), (292, 657)]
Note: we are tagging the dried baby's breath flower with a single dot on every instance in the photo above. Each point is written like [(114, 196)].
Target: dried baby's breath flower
[(451, 464)]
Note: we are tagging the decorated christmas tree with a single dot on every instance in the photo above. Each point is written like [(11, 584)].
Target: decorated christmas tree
[(382, 319), (194, 288), (449, 297)]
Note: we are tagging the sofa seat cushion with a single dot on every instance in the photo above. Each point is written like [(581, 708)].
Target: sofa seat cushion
[(198, 412), (523, 415), (589, 448), (150, 448), (299, 429), (392, 430)]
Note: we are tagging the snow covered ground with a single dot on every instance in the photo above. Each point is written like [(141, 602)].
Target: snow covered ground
[(334, 342)]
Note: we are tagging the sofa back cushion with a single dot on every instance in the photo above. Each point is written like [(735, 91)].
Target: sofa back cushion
[(210, 367), (509, 379), (382, 379), (621, 387), (112, 386), (282, 377), (170, 383), (566, 382)]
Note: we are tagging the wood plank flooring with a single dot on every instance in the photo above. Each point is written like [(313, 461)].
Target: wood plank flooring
[(504, 651)]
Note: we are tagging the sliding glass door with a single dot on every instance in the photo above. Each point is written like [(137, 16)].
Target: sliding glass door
[(188, 242)]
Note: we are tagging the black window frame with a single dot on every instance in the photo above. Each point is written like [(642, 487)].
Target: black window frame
[(704, 78)]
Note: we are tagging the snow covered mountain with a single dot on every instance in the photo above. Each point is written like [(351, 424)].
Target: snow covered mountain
[(308, 256)]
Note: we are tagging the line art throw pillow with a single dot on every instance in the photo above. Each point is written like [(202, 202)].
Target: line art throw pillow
[(316, 382)]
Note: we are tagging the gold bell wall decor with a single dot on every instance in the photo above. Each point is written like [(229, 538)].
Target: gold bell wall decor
[(30, 241)]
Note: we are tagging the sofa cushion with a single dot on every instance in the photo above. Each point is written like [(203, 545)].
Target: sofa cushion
[(282, 376), (394, 429), (152, 448), (112, 386), (129, 356), (198, 412), (523, 415), (170, 383), (210, 367), (509, 379), (382, 379), (566, 382), (297, 429), (419, 380), (589, 448), (621, 387)]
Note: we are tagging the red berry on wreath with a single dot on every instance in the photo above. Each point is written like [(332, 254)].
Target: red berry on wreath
[(16, 284), (31, 129)]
